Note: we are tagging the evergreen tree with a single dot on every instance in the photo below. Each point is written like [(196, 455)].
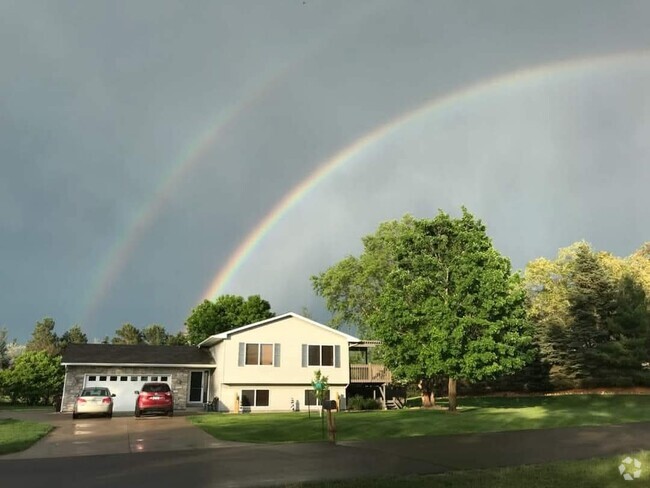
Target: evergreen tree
[(592, 303), (178, 339), (44, 338), (127, 334), (4, 358), (74, 335), (155, 335)]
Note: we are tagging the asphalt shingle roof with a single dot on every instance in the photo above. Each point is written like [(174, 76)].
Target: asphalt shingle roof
[(135, 354)]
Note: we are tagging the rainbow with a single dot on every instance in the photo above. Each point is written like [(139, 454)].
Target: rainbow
[(116, 259), (356, 148)]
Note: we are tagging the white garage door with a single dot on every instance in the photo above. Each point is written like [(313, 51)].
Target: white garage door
[(123, 386)]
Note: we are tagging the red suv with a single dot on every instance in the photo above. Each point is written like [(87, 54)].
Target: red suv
[(154, 397)]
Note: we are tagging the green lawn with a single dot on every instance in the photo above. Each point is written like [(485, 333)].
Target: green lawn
[(486, 414), (9, 406), (18, 435), (602, 473)]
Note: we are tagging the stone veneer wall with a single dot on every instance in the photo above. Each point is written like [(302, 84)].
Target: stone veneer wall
[(74, 380)]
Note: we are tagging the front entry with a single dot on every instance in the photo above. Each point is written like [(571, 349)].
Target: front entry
[(198, 392)]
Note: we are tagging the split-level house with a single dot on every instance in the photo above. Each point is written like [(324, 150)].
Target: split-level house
[(264, 366)]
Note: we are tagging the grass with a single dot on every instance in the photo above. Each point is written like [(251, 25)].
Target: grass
[(19, 406), (18, 435), (569, 474), (485, 414)]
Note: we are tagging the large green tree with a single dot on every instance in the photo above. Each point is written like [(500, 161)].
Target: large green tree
[(44, 338), (439, 296), (127, 334), (225, 313)]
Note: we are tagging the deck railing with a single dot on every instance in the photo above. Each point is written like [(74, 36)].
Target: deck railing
[(369, 373)]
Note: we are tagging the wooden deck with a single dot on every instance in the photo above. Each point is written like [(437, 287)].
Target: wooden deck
[(369, 373)]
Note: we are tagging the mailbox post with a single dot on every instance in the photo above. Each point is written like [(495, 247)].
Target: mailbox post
[(331, 424)]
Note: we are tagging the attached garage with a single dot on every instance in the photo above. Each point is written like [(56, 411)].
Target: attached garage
[(123, 369), (123, 386)]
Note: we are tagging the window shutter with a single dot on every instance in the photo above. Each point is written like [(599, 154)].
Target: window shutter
[(337, 356), (242, 353), (304, 355), (276, 356)]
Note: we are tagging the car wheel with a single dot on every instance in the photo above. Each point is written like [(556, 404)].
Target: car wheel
[(110, 414), (137, 411)]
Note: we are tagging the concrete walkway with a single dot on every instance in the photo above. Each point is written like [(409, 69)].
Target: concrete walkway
[(93, 436)]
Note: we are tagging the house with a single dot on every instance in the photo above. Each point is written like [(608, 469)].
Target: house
[(270, 364), (264, 366)]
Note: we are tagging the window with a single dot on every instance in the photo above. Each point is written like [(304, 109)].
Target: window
[(310, 397), (163, 378), (255, 398), (154, 378), (252, 354), (113, 378), (124, 378), (314, 355), (266, 354), (92, 378), (143, 378), (96, 392), (134, 378), (262, 398), (156, 388), (327, 356), (261, 354), (321, 356), (102, 378)]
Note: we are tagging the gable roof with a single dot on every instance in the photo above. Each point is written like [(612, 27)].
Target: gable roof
[(214, 339), (139, 354)]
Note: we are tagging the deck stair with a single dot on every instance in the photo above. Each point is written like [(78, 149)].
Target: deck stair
[(394, 404)]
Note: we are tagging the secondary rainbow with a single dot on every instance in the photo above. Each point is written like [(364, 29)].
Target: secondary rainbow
[(357, 148), (119, 254), (116, 259)]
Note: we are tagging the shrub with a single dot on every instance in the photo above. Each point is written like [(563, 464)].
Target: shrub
[(357, 402), (34, 378)]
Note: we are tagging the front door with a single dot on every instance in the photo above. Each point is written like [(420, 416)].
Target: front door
[(196, 387)]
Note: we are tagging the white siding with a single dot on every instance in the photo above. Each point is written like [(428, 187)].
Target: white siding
[(287, 380)]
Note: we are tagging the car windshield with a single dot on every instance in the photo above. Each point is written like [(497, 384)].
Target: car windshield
[(95, 392), (155, 388)]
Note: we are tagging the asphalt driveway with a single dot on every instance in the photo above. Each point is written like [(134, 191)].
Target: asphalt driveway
[(95, 436), (279, 464)]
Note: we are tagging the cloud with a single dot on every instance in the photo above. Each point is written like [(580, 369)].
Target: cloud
[(99, 102)]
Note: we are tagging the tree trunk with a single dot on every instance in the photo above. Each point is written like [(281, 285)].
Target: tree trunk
[(428, 395), (453, 401), (428, 399)]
